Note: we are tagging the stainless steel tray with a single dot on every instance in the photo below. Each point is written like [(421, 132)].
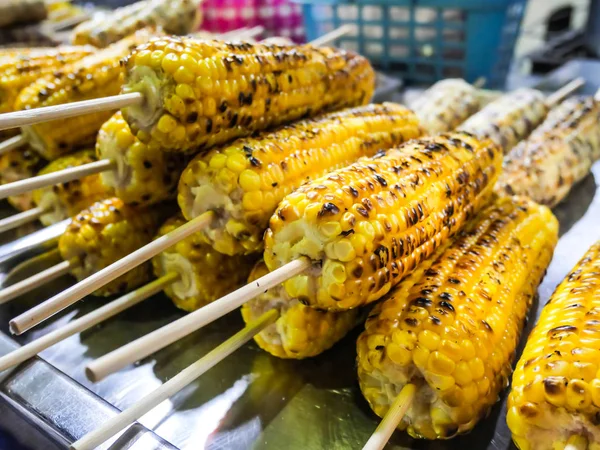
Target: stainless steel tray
[(251, 400)]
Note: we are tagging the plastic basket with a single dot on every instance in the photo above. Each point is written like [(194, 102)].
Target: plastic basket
[(425, 40)]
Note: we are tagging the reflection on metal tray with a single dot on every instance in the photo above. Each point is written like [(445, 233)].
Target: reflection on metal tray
[(252, 400)]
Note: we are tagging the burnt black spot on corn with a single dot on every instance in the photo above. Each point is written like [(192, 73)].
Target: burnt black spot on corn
[(243, 182), (179, 76), (417, 231), (106, 232), (558, 154), (459, 351)]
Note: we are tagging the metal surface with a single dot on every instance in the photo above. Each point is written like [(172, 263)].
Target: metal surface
[(253, 400)]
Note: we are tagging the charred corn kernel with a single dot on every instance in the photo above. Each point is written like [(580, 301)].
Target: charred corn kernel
[(509, 244), (238, 88), (559, 153), (270, 166), (64, 200), (97, 75), (204, 274), (509, 119), (430, 187), (143, 174), (22, 67), (300, 331), (551, 398), (106, 232), (18, 165), (177, 17), (445, 105)]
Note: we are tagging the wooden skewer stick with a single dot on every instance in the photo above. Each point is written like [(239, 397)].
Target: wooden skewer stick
[(558, 96), (75, 293), (17, 220), (247, 33), (49, 113), (176, 330), (28, 284), (168, 389), (332, 35), (392, 418), (479, 82), (12, 143), (577, 442), (89, 320), (50, 179)]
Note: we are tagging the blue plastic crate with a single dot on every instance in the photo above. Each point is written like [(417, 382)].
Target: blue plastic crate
[(425, 40)]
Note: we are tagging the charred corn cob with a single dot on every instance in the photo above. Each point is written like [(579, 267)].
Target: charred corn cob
[(144, 174), (244, 181), (558, 154), (19, 165), (556, 388), (104, 233), (177, 17), (20, 68), (204, 93), (64, 200), (97, 75), (446, 105), (300, 331), (452, 327), (370, 224), (204, 274), (509, 119)]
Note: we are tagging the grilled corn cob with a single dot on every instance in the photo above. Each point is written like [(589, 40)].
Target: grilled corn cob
[(446, 105), (104, 233), (97, 75), (22, 11), (370, 224), (64, 200), (144, 174), (509, 119), (244, 181), (204, 93), (452, 327), (204, 274), (20, 68), (300, 331), (556, 156), (19, 165), (177, 17), (556, 388)]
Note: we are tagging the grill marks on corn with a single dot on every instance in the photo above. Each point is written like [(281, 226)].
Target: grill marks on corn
[(456, 319), (232, 90)]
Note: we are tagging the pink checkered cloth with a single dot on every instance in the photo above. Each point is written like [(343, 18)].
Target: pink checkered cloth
[(278, 17)]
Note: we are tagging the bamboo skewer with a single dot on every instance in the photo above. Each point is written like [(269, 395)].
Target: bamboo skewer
[(175, 384), (562, 93), (392, 418), (577, 442), (75, 293), (332, 35), (17, 220), (89, 320), (12, 143), (176, 330)]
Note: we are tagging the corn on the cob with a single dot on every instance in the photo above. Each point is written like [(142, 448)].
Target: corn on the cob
[(203, 93), (370, 224), (243, 182), (446, 105), (97, 75), (300, 331), (64, 200), (509, 119), (452, 327), (177, 17), (19, 165), (556, 387), (20, 68), (556, 156), (144, 174), (106, 232), (204, 274)]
